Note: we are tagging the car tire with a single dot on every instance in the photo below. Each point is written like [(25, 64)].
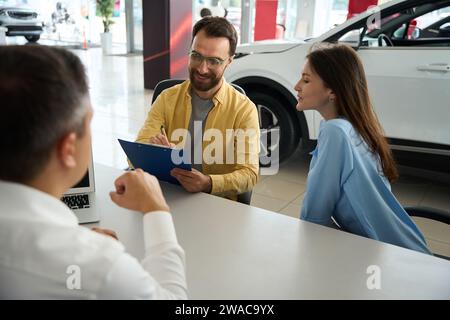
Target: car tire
[(32, 38), (275, 114)]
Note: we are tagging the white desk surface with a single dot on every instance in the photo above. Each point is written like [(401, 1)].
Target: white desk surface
[(234, 251)]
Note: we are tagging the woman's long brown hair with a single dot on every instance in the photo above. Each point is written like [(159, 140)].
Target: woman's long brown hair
[(342, 71)]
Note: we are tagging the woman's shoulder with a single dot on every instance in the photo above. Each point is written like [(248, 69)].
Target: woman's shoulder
[(338, 128)]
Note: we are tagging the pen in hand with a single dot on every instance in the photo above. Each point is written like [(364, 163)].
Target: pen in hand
[(163, 138), (163, 132)]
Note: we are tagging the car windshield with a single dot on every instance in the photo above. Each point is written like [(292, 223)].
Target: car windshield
[(421, 16)]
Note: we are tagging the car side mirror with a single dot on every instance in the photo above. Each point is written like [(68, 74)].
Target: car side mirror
[(352, 39)]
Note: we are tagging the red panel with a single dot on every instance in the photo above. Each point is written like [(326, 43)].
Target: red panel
[(358, 6), (180, 37), (265, 19)]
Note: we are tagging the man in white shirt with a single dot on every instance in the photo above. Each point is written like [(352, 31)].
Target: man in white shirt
[(45, 142)]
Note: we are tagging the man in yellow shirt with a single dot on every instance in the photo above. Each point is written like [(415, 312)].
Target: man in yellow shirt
[(213, 122)]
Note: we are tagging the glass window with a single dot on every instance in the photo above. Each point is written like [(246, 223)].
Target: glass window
[(352, 37), (417, 26), (230, 9), (434, 24), (74, 20), (339, 12), (432, 17), (138, 25)]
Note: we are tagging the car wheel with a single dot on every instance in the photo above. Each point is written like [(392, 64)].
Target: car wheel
[(279, 127), (32, 38)]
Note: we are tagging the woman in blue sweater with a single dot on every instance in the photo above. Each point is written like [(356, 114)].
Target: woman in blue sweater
[(352, 166)]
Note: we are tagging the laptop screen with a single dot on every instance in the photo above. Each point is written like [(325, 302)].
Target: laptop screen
[(86, 184)]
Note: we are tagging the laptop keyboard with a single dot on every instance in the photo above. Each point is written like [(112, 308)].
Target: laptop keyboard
[(76, 201)]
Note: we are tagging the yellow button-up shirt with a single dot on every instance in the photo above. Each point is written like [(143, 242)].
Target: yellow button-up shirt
[(233, 169)]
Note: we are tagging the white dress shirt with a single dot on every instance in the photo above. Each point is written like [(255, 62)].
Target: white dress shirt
[(45, 254)]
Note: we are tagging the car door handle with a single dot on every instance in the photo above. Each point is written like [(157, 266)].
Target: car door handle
[(439, 67)]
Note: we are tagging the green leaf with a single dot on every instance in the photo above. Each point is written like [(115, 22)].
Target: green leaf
[(105, 9)]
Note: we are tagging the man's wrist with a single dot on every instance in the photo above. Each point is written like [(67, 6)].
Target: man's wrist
[(208, 187), (153, 208)]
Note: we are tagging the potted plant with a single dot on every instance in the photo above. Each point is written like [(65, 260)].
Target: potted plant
[(105, 9)]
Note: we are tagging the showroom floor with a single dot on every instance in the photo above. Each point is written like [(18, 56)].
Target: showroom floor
[(121, 105)]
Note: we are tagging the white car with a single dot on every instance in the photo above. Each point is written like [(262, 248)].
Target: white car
[(21, 21), (405, 48)]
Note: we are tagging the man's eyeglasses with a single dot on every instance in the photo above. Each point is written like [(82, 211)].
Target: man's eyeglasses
[(211, 62)]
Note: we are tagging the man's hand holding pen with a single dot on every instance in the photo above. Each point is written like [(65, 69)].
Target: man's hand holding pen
[(161, 139)]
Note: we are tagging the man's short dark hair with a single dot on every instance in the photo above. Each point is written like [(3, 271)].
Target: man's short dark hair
[(42, 92), (217, 27)]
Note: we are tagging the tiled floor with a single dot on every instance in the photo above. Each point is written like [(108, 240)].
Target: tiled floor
[(121, 105)]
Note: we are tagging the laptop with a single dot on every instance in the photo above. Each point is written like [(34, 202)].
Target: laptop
[(81, 198)]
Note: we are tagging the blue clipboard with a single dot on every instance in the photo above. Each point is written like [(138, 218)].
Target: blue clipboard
[(156, 160)]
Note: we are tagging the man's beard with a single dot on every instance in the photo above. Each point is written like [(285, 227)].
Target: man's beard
[(204, 86)]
